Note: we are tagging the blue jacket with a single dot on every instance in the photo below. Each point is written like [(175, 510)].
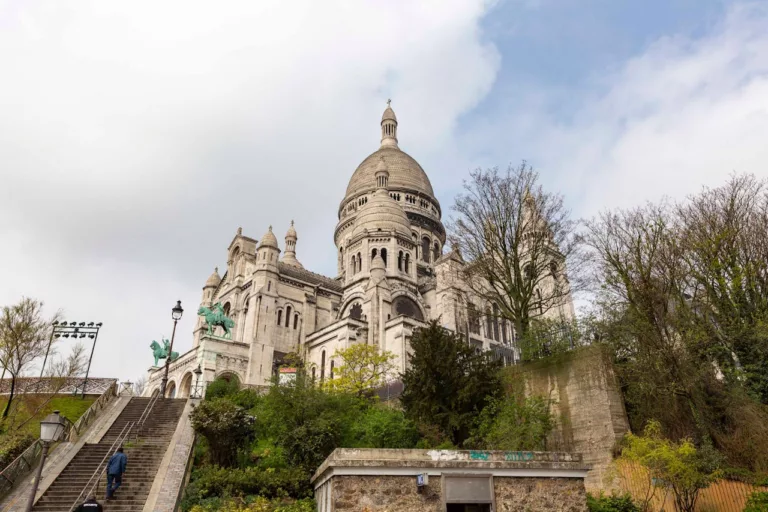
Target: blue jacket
[(116, 464)]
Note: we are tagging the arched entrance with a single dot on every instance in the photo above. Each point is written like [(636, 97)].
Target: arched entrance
[(185, 388), (170, 391)]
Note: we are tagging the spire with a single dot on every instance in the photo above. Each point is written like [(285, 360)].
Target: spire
[(389, 127), (290, 248)]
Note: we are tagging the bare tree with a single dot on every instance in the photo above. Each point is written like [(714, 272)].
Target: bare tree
[(24, 336), (59, 374), (518, 240), (139, 385)]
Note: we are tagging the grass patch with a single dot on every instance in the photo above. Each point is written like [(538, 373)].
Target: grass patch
[(71, 407)]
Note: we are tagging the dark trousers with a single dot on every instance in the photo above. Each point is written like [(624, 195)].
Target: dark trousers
[(117, 480)]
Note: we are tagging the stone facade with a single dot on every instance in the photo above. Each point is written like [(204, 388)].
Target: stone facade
[(588, 404), (385, 480), (393, 276)]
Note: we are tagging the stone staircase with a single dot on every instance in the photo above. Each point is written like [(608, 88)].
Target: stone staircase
[(144, 459)]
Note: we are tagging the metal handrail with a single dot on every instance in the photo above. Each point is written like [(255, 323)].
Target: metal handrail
[(145, 414), (91, 484)]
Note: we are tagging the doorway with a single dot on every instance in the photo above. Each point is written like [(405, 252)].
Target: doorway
[(469, 507)]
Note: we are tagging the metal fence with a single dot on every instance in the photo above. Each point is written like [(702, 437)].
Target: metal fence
[(722, 496)]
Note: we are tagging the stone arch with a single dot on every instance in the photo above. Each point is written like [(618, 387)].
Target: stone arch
[(357, 297), (425, 252), (185, 388), (170, 389), (229, 376), (403, 304)]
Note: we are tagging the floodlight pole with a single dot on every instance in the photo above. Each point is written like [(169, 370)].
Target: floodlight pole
[(88, 370)]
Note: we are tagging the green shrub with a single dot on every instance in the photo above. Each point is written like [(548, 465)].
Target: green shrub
[(221, 388), (254, 504), (226, 428), (382, 427), (13, 445), (611, 503), (217, 482), (514, 423), (757, 502)]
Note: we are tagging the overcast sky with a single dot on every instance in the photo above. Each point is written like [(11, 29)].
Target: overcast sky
[(136, 137)]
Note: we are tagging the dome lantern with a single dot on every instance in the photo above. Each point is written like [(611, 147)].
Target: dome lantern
[(389, 127)]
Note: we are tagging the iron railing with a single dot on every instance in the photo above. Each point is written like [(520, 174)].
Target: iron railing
[(20, 466), (93, 411), (131, 427), (96, 476)]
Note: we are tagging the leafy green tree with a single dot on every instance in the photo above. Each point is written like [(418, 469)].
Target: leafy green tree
[(680, 466), (225, 427), (24, 337), (363, 369), (514, 423), (306, 420), (447, 383)]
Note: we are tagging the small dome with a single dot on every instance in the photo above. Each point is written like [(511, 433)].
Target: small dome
[(382, 213), (291, 232), (388, 115), (378, 263), (214, 280), (269, 239)]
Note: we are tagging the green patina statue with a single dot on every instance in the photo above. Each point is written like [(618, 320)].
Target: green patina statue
[(161, 351), (215, 317)]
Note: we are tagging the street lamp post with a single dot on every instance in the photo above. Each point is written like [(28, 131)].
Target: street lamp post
[(176, 313), (198, 372), (70, 329), (51, 428)]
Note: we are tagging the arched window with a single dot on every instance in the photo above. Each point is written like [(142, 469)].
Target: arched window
[(226, 309), (269, 285), (373, 254), (488, 324), (553, 269), (407, 263), (384, 256), (280, 317), (288, 316), (425, 249), (436, 250), (496, 322), (352, 265), (322, 367), (313, 374), (359, 262), (295, 321), (474, 319), (406, 306), (400, 261), (331, 374)]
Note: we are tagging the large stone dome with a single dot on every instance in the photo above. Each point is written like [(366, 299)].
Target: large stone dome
[(405, 173)]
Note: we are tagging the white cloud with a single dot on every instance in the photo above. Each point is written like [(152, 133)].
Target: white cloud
[(136, 137), (685, 113)]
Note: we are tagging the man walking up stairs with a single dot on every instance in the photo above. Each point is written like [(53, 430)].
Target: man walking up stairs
[(145, 454)]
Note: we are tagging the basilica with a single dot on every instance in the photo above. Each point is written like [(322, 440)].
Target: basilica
[(393, 275)]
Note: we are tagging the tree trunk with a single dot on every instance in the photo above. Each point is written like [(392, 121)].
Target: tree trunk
[(10, 397)]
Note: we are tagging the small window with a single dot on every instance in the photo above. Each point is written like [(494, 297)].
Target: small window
[(322, 367), (331, 374), (295, 321), (425, 249), (269, 285), (384, 256), (288, 316), (400, 261), (279, 317)]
